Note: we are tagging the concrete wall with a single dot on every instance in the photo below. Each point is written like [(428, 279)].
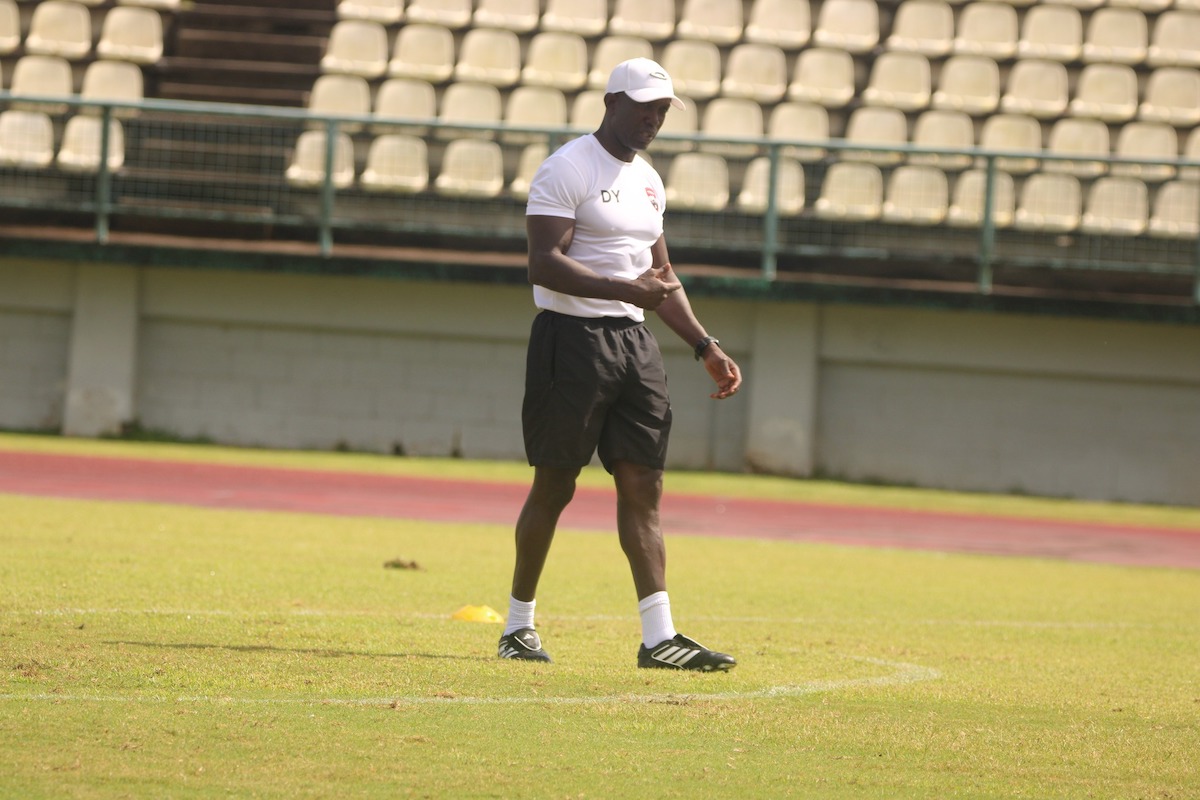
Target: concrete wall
[(990, 402)]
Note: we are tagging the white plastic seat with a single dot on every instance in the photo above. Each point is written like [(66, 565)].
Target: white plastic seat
[(587, 18), (716, 21), (755, 194), (680, 121), (113, 81), (1051, 31), (698, 182), (850, 25), (1078, 137), (471, 168), (877, 126), (533, 107), (922, 26), (612, 50), (42, 76), (694, 67), (732, 117), (1175, 41), (356, 47), (1150, 6), (451, 14), (587, 109), (338, 95), (132, 34), (1116, 36), (1146, 140), (518, 16), (756, 71), (784, 23), (10, 27), (405, 98), (653, 20), (1106, 91), (422, 51), (396, 162), (1172, 95), (968, 201), (987, 29), (1013, 133), (81, 145), (823, 75), (385, 12), (968, 83), (851, 191), (59, 28), (557, 59), (1116, 207), (1050, 202), (796, 121), (1036, 87), (532, 156), (472, 103), (951, 130), (899, 80), (26, 139), (489, 55), (307, 166), (916, 195), (1176, 212)]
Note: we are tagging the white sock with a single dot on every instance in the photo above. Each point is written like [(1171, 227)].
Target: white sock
[(657, 626), (520, 615)]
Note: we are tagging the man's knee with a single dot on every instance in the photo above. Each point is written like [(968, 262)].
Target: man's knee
[(553, 487), (637, 483)]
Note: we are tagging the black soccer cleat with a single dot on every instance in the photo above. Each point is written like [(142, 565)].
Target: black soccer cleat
[(524, 645), (684, 653)]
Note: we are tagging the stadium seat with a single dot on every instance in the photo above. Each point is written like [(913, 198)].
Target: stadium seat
[(1181, 5), (1070, 136), (950, 130), (680, 121), (1051, 31), (731, 117), (533, 107), (114, 81), (823, 75), (59, 28), (716, 21), (697, 182), (42, 76), (1049, 202), (987, 29), (1116, 36), (405, 98), (968, 83), (850, 25), (451, 14), (1172, 95), (1191, 152), (81, 145), (1012, 133), (518, 16), (356, 47), (694, 67), (783, 23), (396, 162), (1106, 91), (557, 59), (10, 27), (132, 34), (587, 18), (1176, 212), (472, 103), (587, 109), (653, 20), (1036, 87), (385, 12), (26, 138), (755, 194), (796, 121), (471, 168), (922, 26), (425, 52), (876, 126), (756, 71), (489, 55), (532, 156), (1115, 207), (915, 195), (1146, 140), (1082, 5), (1175, 41), (899, 80), (337, 95), (968, 202), (612, 50), (851, 191), (307, 166)]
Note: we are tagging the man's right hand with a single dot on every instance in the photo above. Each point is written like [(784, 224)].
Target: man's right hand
[(654, 286)]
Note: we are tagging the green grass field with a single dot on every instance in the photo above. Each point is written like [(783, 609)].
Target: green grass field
[(151, 651)]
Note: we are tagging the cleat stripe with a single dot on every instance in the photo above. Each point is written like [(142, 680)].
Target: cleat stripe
[(688, 656)]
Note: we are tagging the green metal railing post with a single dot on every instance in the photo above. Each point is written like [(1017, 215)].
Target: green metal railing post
[(987, 234), (326, 221), (104, 177), (770, 245)]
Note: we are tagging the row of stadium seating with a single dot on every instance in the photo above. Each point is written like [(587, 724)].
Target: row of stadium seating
[(65, 28)]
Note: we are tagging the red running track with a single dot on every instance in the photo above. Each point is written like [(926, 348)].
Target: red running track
[(358, 494)]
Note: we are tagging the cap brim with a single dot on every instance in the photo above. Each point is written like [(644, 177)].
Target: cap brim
[(649, 95)]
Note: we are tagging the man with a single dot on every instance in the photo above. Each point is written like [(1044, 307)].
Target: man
[(594, 374)]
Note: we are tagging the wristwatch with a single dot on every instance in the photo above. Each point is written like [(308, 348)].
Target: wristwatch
[(703, 344)]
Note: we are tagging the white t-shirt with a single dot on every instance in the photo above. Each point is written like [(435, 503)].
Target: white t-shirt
[(618, 211)]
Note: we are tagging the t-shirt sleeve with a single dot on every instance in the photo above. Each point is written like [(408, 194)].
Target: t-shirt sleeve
[(556, 190)]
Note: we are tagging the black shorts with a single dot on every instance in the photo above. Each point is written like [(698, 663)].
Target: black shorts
[(594, 384)]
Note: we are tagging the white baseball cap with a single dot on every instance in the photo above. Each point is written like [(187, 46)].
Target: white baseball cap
[(643, 80)]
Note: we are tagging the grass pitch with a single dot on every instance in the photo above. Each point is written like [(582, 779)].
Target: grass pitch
[(159, 651)]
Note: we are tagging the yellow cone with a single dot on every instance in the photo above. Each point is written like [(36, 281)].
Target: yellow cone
[(478, 614)]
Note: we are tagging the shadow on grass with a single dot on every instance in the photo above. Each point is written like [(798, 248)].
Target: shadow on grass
[(315, 651)]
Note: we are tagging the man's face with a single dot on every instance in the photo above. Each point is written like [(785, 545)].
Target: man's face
[(636, 124)]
